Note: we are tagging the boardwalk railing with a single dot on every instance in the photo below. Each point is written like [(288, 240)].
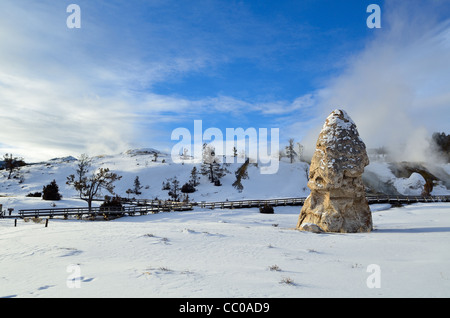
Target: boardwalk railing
[(101, 211), (154, 206), (251, 203), (403, 199), (294, 201)]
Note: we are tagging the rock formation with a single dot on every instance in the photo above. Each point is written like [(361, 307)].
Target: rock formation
[(337, 202)]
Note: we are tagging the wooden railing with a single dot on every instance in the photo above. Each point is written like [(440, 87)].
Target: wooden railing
[(154, 206)]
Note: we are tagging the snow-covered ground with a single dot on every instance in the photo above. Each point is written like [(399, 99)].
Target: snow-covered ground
[(219, 253), (228, 253), (289, 181)]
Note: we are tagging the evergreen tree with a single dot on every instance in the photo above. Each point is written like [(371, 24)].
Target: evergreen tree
[(241, 173), (300, 150), (12, 163), (51, 192), (111, 204), (195, 179), (137, 186), (187, 188), (166, 185), (211, 166), (290, 152), (174, 188), (441, 144)]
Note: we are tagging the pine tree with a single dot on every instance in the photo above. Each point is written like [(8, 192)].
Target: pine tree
[(290, 152), (137, 186), (166, 185), (195, 179), (211, 166), (51, 192), (12, 163), (299, 151), (174, 188), (187, 188), (241, 173)]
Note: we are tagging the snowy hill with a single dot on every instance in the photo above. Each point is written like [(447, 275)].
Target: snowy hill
[(289, 181), (220, 253)]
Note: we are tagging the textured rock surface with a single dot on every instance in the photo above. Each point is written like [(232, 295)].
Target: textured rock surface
[(311, 227), (337, 202)]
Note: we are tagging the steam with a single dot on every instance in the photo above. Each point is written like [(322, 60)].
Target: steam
[(396, 89)]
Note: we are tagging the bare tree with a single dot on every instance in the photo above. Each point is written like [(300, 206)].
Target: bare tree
[(89, 187)]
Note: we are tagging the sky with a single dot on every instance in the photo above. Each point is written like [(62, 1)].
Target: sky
[(136, 70)]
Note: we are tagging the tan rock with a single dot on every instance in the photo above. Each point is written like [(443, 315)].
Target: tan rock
[(337, 202)]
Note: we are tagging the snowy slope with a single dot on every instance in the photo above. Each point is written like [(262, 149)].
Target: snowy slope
[(289, 181), (227, 253), (217, 253), (378, 175)]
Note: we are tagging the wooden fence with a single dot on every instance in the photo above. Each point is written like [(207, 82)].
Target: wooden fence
[(141, 207)]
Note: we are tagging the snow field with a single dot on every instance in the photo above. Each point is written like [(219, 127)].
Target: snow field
[(218, 253), (226, 253)]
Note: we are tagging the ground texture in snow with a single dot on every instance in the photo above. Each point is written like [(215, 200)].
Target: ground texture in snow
[(227, 253)]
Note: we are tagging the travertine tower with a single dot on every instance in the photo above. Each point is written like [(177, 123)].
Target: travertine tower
[(337, 202)]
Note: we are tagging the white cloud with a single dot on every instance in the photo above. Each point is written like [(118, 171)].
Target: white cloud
[(396, 89), (90, 90), (66, 90)]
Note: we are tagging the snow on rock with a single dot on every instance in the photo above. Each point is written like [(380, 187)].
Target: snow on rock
[(311, 227), (379, 177), (337, 202), (410, 186)]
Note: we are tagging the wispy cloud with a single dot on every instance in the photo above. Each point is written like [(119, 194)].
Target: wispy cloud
[(396, 89), (95, 89), (91, 90), (64, 91)]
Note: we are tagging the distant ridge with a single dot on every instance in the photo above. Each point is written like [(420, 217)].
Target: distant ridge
[(142, 151)]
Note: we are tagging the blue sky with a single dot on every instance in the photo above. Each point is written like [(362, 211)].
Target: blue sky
[(136, 70)]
